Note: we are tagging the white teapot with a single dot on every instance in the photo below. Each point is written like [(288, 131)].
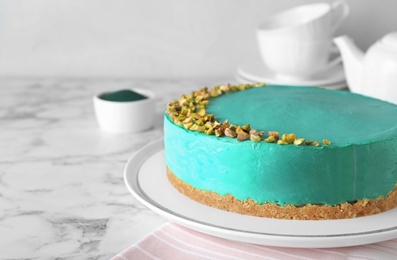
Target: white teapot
[(375, 73)]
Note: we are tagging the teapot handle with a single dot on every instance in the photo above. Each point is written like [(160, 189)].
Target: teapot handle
[(341, 11)]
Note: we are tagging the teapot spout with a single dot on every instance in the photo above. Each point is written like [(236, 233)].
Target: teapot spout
[(353, 59)]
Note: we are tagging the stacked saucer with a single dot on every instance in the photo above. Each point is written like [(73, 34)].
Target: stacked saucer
[(256, 71)]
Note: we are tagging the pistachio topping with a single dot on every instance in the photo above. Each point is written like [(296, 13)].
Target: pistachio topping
[(270, 139), (299, 141), (241, 133), (190, 113), (276, 135), (313, 143), (288, 138), (230, 132), (255, 138), (326, 142), (282, 142)]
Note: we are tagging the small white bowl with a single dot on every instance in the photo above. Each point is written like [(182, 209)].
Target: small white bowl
[(125, 116)]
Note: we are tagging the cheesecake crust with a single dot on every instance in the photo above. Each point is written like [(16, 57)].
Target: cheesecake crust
[(360, 208)]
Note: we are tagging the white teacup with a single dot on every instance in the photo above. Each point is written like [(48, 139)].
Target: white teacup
[(297, 60), (308, 22), (297, 43)]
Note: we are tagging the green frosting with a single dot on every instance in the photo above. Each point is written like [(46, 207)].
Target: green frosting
[(360, 162)]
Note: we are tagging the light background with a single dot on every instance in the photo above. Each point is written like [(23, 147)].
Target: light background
[(152, 38)]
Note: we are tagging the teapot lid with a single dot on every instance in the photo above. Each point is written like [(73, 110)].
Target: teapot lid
[(390, 40)]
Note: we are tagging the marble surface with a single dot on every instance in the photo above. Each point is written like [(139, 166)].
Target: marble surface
[(62, 193)]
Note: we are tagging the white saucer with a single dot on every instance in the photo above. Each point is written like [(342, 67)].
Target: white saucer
[(256, 71), (335, 86), (145, 177)]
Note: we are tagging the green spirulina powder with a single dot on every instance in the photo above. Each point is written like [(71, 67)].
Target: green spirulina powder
[(124, 95)]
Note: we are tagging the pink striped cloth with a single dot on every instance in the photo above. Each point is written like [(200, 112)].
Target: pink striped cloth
[(172, 241)]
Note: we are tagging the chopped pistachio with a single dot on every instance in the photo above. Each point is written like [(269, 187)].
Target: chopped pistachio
[(256, 132), (195, 116), (326, 142), (233, 127), (299, 141), (234, 88), (187, 112), (199, 121), (230, 132), (198, 99), (193, 127), (177, 122), (216, 123), (240, 130), (246, 128), (182, 99), (209, 117), (209, 131), (209, 125), (255, 138), (215, 91), (313, 143), (201, 128), (188, 125), (224, 88), (181, 118), (219, 131), (270, 139), (202, 112), (242, 136), (289, 138), (242, 86), (188, 120), (282, 142), (275, 134)]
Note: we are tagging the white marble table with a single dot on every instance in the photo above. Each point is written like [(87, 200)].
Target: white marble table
[(62, 193)]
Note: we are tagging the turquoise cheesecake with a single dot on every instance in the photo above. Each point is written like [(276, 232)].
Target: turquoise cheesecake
[(283, 152)]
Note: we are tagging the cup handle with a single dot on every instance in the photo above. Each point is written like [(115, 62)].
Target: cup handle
[(336, 60), (341, 11)]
